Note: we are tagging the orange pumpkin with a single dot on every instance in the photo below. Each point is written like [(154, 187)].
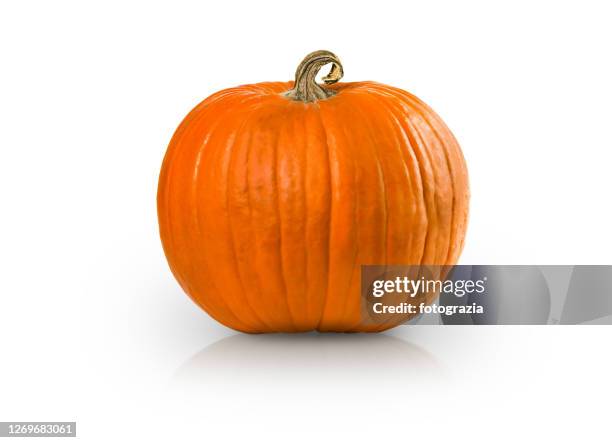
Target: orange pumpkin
[(272, 195)]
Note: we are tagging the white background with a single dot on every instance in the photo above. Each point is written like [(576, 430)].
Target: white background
[(93, 327)]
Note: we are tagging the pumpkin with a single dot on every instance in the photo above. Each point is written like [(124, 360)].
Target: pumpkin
[(273, 195)]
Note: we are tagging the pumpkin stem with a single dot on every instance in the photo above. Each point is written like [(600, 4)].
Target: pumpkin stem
[(306, 88)]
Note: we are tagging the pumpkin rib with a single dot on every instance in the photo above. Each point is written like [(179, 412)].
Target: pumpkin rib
[(330, 222), (341, 229), (277, 192), (164, 180), (350, 308), (300, 125), (217, 152), (358, 106), (356, 244), (330, 211), (245, 287), (358, 249), (289, 175), (304, 177), (408, 156), (355, 216), (312, 302), (422, 109), (163, 193), (460, 210), (409, 153), (396, 195), (459, 162), (196, 217), (278, 223), (323, 304), (418, 134), (453, 191), (394, 128), (434, 235), (265, 213), (249, 108), (385, 197), (317, 213), (248, 151), (397, 131), (424, 148), (415, 143), (246, 100), (203, 112), (441, 241), (245, 325), (362, 323), (437, 125)]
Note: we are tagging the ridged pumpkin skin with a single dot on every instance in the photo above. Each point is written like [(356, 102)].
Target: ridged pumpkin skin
[(268, 206)]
